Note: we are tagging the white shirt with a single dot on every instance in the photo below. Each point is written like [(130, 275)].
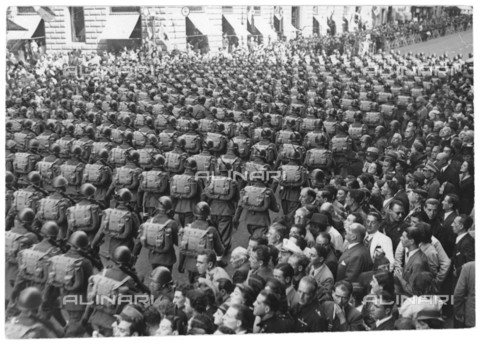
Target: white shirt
[(379, 322), (381, 241), (337, 239), (459, 237)]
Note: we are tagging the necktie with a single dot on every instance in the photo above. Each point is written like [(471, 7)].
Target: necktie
[(408, 256), (368, 241)]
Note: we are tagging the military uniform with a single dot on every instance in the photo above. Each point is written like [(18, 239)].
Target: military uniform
[(278, 323), (188, 253), (309, 318), (119, 228), (164, 254)]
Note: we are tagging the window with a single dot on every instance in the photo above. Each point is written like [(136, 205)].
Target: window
[(126, 9), (257, 10), (315, 10), (227, 9), (196, 8), (77, 22), (25, 10)]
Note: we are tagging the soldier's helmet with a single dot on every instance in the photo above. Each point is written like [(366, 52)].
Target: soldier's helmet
[(59, 182), (165, 204), (30, 299), (161, 276), (201, 210), (79, 239), (34, 177), (87, 189), (9, 177), (191, 164), (125, 195), (158, 160), (122, 255), (50, 229), (26, 215)]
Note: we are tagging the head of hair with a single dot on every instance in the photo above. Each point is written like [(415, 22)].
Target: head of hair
[(385, 279), (263, 254), (422, 284), (198, 300), (322, 251), (272, 300), (226, 285), (416, 234), (404, 323), (466, 221), (280, 229), (344, 285), (245, 316), (301, 229), (152, 316), (286, 270), (202, 322)]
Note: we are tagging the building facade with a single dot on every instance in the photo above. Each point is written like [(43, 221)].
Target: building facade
[(207, 28)]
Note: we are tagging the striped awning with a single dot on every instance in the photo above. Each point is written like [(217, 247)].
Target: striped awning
[(120, 27), (29, 23)]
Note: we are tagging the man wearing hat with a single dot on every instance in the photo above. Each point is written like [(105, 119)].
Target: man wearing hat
[(320, 223), (289, 247), (371, 158), (432, 185), (415, 180)]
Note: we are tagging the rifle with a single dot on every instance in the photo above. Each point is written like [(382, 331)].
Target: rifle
[(40, 189), (130, 272), (92, 256)]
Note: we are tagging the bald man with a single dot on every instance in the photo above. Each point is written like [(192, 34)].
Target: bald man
[(446, 173), (356, 257)]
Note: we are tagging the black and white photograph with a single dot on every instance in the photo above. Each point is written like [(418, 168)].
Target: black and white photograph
[(229, 169)]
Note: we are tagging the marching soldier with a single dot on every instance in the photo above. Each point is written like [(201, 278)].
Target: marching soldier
[(197, 236), (119, 227), (159, 234)]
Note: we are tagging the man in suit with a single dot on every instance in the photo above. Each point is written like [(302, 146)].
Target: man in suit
[(381, 311), (446, 173), (464, 250), (376, 242), (445, 234), (464, 297), (356, 258), (341, 315), (259, 260), (415, 261), (319, 270), (240, 264)]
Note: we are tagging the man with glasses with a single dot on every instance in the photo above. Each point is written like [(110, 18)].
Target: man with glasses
[(395, 222)]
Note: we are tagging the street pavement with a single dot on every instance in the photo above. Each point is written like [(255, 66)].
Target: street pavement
[(454, 44)]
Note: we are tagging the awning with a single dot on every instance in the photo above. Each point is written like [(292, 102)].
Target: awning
[(263, 27), (239, 29), (30, 23), (202, 23), (11, 25), (119, 27)]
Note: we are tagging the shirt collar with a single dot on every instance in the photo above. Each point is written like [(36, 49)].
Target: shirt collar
[(379, 322), (352, 245), (460, 237)]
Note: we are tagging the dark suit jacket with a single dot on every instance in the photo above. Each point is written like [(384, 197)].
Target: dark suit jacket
[(463, 252), (446, 236), (352, 262), (401, 196), (415, 265), (386, 326), (467, 195), (449, 175), (241, 274)]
